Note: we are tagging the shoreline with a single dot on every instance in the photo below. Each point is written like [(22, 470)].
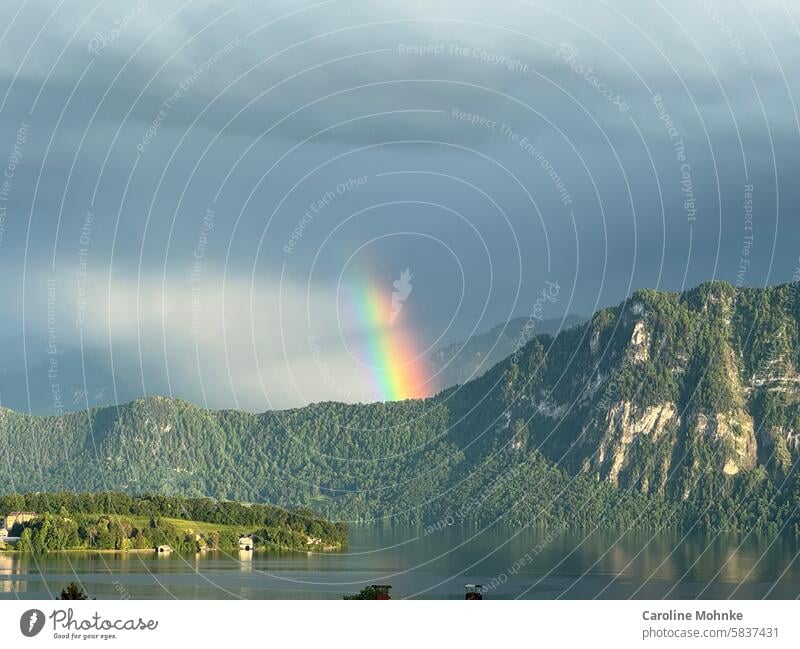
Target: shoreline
[(326, 549)]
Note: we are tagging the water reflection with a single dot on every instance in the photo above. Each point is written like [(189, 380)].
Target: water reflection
[(516, 563), (10, 566), (245, 560)]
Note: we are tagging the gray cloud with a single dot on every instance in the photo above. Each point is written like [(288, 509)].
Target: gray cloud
[(186, 108)]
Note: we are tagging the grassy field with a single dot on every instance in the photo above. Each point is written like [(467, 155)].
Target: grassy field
[(198, 527)]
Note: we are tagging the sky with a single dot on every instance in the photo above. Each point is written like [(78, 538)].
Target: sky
[(267, 204)]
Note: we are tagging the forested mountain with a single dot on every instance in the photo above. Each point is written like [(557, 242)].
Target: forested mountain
[(670, 409)]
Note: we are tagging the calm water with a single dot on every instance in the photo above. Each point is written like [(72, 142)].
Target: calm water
[(514, 563)]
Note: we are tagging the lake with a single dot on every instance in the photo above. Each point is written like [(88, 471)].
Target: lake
[(527, 563)]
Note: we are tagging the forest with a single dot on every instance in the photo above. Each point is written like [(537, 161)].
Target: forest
[(118, 521)]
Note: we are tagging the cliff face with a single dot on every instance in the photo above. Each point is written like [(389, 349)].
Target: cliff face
[(667, 389), (626, 425)]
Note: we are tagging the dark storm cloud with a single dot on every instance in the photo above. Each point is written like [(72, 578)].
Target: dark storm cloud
[(526, 130)]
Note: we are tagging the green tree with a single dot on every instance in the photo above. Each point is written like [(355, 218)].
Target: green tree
[(73, 590)]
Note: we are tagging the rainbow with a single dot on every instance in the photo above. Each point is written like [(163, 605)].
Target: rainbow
[(389, 354)]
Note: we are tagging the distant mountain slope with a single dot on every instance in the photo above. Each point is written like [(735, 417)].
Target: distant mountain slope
[(469, 359), (670, 409), (68, 380)]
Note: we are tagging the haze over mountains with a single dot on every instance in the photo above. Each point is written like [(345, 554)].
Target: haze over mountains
[(469, 359), (667, 410), (93, 377), (77, 380)]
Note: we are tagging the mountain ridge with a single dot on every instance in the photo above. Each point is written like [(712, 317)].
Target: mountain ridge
[(669, 409), (468, 359)]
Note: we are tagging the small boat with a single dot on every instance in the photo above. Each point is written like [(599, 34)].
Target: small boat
[(382, 591), (474, 591)]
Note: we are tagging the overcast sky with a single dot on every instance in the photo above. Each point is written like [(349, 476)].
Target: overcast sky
[(202, 187)]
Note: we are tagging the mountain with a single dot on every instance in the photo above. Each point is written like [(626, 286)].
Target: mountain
[(469, 359), (667, 410)]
